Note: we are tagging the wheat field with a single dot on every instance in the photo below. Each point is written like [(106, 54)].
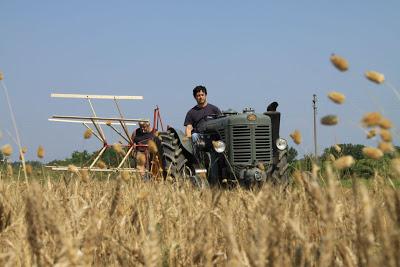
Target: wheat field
[(128, 222), (83, 219)]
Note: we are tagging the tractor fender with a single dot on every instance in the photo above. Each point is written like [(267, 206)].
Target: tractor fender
[(186, 142)]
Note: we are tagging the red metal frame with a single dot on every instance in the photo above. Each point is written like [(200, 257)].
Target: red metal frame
[(157, 120)]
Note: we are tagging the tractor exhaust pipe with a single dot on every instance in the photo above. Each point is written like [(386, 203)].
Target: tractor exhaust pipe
[(275, 117)]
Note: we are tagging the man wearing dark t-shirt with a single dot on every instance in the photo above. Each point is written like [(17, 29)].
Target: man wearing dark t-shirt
[(142, 135), (199, 113)]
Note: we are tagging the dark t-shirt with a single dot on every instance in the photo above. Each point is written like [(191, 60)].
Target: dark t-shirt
[(197, 115), (141, 137)]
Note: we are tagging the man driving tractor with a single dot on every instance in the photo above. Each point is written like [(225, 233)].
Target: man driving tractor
[(199, 113)]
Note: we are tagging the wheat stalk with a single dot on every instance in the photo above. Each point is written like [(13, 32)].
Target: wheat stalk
[(15, 125)]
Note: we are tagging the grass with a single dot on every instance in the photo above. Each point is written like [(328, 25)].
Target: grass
[(71, 221), (348, 183)]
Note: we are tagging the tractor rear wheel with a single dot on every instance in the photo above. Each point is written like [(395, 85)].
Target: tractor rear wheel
[(172, 156)]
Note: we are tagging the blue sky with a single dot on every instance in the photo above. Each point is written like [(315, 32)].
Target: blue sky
[(245, 53)]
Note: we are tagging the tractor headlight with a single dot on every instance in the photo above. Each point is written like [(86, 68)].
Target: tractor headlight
[(219, 146), (281, 144)]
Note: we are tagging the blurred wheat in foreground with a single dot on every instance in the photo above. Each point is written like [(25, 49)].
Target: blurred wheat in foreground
[(126, 222)]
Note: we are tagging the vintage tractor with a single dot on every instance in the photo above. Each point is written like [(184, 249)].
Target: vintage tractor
[(234, 148)]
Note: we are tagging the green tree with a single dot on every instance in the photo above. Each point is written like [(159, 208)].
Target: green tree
[(363, 167), (77, 158), (80, 158), (291, 155), (305, 163), (110, 157), (34, 163), (354, 150)]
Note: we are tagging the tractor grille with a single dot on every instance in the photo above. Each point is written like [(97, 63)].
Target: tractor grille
[(241, 137), (222, 134), (263, 143), (251, 143)]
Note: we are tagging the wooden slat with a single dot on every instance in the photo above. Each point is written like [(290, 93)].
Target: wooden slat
[(119, 97), (98, 118), (64, 168), (89, 121)]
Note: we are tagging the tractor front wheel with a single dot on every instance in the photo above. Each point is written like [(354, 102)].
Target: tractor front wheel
[(280, 171)]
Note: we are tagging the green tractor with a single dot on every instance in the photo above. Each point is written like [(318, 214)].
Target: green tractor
[(234, 148)]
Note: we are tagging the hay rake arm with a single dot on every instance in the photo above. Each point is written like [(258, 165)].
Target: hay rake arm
[(119, 125)]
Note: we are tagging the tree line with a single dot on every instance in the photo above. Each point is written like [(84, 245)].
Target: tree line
[(363, 166)]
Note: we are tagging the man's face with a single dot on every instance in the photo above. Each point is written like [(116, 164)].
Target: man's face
[(144, 128), (201, 98)]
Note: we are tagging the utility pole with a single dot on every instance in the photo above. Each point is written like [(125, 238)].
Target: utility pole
[(315, 124)]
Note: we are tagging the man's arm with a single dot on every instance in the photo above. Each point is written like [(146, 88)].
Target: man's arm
[(188, 123), (188, 130), (134, 134)]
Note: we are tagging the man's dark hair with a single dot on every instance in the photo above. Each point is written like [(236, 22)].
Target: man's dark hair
[(199, 88)]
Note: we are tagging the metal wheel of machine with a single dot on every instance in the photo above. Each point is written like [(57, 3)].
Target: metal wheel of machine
[(199, 182), (172, 157), (187, 172)]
